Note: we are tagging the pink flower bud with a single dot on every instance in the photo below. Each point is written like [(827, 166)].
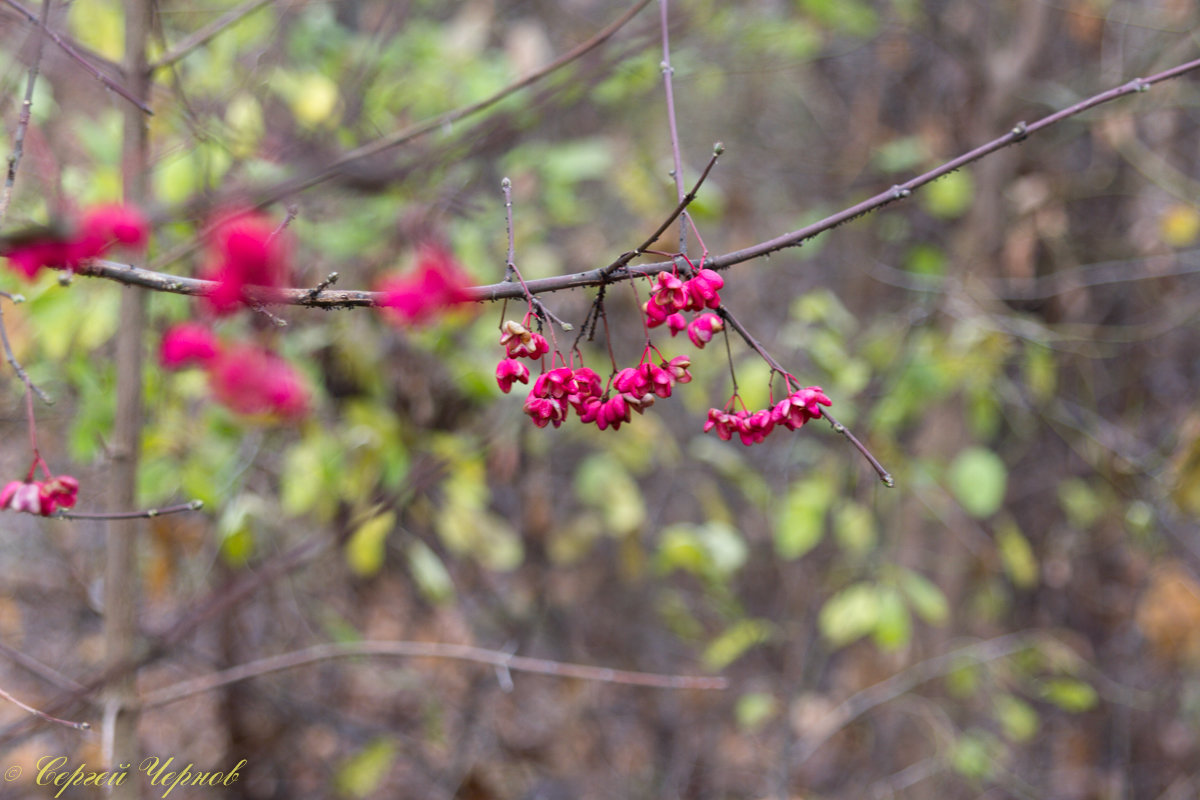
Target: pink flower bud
[(702, 328), (676, 322), (508, 371), (188, 343), (678, 367)]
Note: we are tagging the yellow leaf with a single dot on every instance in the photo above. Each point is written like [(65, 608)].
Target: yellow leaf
[(1180, 225)]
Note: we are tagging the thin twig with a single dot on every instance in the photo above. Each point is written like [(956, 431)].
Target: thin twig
[(12, 359), (684, 202), (14, 160), (70, 50), (149, 513), (510, 265), (667, 72), (755, 345), (329, 280), (456, 652), (79, 726), (201, 37), (903, 682)]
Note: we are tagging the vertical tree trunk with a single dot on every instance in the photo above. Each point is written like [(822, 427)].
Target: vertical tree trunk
[(121, 585)]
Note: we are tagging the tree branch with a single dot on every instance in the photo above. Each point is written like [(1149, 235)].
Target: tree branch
[(455, 652), (165, 282)]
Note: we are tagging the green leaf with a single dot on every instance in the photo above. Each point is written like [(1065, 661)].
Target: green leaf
[(1069, 694), (429, 573), (978, 479), (1017, 718), (894, 627), (735, 641), (925, 597), (603, 482), (800, 523), (850, 614), (753, 709), (971, 755), (854, 527), (362, 774), (950, 196), (365, 547), (1017, 555)]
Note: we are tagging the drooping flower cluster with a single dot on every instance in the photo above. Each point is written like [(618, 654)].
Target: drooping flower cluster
[(557, 391), (670, 296), (246, 378), (437, 283), (66, 246), (40, 497), (753, 427), (244, 249)]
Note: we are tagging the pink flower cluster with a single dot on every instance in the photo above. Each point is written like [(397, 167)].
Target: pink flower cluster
[(670, 296), (245, 378), (557, 391), (791, 413), (245, 249), (40, 497), (100, 229), (437, 283)]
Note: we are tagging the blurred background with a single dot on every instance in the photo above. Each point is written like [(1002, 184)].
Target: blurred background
[(1019, 617)]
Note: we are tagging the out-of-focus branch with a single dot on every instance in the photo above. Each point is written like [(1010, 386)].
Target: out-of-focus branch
[(205, 34), (504, 662)]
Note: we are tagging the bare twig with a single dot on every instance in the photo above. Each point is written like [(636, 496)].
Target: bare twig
[(677, 158), (456, 652), (149, 513), (684, 202), (79, 726), (70, 50), (22, 375), (165, 282), (18, 150), (201, 37), (858, 704)]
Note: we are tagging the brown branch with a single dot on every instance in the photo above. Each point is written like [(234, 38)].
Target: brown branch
[(456, 652), (165, 282), (205, 34), (70, 50)]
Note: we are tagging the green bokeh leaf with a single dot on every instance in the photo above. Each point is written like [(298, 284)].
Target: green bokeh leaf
[(978, 479)]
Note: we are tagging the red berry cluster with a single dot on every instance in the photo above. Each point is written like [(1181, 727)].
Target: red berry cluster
[(244, 250), (437, 283), (791, 413), (246, 378), (40, 497), (670, 296), (556, 391), (100, 229)]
